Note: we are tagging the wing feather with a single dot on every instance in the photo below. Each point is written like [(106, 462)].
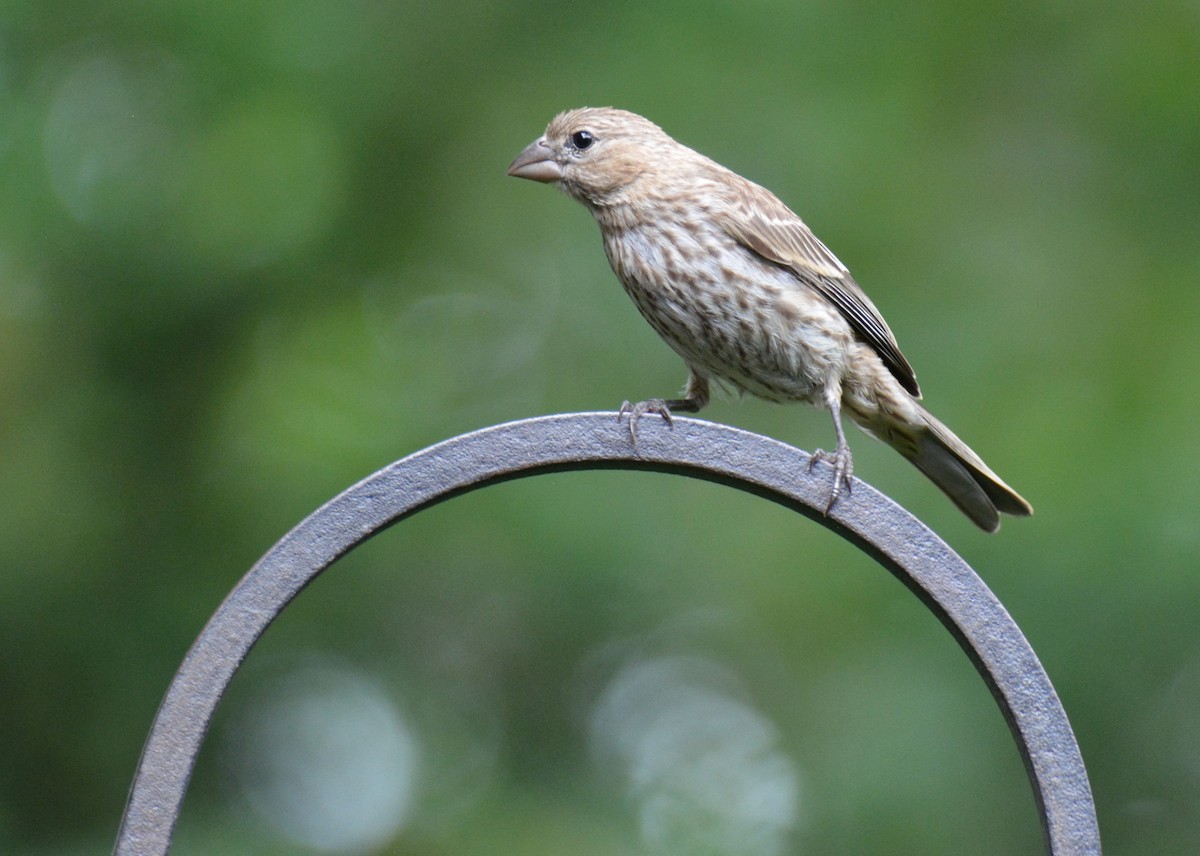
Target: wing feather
[(762, 223)]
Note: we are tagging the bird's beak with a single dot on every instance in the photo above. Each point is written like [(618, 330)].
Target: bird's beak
[(536, 163)]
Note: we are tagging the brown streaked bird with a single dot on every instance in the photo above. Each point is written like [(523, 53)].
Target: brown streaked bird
[(740, 288)]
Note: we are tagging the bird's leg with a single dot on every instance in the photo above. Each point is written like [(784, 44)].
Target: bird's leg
[(695, 396), (843, 462)]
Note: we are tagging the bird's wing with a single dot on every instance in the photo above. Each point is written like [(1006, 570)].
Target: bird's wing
[(763, 224)]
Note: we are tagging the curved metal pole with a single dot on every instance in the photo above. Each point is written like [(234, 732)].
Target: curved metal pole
[(705, 450)]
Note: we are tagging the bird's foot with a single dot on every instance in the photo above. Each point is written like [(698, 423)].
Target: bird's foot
[(843, 471), (637, 411)]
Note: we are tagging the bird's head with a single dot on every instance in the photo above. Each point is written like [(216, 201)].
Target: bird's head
[(596, 154)]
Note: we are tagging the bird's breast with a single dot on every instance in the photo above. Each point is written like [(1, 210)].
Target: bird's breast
[(728, 312)]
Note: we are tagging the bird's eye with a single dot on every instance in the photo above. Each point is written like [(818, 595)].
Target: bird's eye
[(582, 140)]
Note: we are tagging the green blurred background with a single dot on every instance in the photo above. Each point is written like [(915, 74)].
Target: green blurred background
[(252, 251)]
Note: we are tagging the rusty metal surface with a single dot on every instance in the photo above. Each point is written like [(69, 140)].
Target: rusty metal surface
[(582, 441)]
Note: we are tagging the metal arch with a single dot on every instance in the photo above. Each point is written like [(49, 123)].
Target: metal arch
[(705, 450)]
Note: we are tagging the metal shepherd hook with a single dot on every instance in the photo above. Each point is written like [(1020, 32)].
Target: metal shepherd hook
[(585, 441)]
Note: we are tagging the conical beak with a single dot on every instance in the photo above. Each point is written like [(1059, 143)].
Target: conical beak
[(536, 163)]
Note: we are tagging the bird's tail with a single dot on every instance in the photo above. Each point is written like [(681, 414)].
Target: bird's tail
[(964, 477)]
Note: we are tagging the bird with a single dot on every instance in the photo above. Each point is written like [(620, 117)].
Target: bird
[(740, 288)]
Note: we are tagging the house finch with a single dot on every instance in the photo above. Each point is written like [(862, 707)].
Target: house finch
[(740, 288)]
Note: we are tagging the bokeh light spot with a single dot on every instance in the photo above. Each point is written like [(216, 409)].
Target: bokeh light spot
[(703, 768), (110, 138), (324, 756)]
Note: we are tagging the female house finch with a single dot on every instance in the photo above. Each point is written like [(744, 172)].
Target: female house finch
[(740, 288)]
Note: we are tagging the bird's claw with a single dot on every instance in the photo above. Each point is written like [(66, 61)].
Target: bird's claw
[(636, 411), (843, 471)]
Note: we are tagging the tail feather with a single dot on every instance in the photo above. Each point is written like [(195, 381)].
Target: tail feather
[(965, 478)]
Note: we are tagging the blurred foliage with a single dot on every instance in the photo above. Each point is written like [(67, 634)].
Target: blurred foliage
[(250, 252)]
